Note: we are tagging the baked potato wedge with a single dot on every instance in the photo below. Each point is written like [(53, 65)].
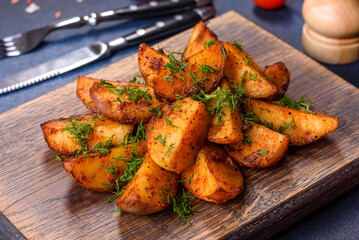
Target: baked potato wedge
[(98, 172), (175, 138), (214, 177), (279, 75), (263, 148), (124, 102), (170, 77), (241, 69), (83, 91), (69, 135), (302, 127), (197, 42), (229, 129), (149, 189)]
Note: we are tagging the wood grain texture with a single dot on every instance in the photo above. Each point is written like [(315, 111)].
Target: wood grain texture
[(43, 202)]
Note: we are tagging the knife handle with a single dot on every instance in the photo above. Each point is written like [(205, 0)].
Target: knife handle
[(163, 27), (148, 9)]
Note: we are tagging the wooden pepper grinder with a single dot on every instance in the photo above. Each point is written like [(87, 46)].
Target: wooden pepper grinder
[(331, 30)]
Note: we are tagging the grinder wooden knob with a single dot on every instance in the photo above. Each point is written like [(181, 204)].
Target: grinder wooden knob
[(331, 30)]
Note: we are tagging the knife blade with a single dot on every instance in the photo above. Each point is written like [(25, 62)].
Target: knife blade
[(101, 50)]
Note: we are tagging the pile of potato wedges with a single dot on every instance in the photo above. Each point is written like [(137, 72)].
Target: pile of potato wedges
[(197, 117)]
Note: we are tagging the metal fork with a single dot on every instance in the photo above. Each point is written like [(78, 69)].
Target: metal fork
[(21, 43)]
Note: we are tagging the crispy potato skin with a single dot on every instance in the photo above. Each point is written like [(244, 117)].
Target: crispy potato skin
[(214, 177), (89, 171), (103, 129), (184, 139), (147, 192), (309, 127), (152, 65), (262, 139), (201, 33), (127, 111), (237, 69), (280, 76), (230, 129), (83, 91)]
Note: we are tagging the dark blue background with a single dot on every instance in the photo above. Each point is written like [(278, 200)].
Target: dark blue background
[(338, 220)]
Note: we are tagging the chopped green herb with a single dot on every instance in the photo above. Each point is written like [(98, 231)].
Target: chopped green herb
[(303, 103), (168, 152), (168, 122), (59, 158), (179, 97), (224, 52), (117, 193), (108, 186), (286, 126), (183, 205), (112, 170), (219, 99), (251, 76), (175, 66), (209, 42), (238, 44), (93, 176), (79, 131), (250, 118), (176, 106), (247, 139), (103, 148), (140, 135), (157, 111), (206, 69), (184, 180), (162, 140), (88, 103), (119, 211), (132, 165), (263, 152)]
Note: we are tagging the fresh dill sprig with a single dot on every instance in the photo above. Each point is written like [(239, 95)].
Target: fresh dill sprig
[(183, 205), (251, 76), (112, 170), (169, 122), (80, 132), (224, 52), (219, 99), (175, 66), (238, 44), (286, 126), (250, 118), (209, 42), (103, 148), (140, 135), (131, 167), (264, 152), (247, 139), (157, 111), (161, 140), (168, 152), (133, 93), (59, 158), (303, 103)]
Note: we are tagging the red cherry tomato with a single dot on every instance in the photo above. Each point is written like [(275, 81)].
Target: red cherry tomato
[(269, 4)]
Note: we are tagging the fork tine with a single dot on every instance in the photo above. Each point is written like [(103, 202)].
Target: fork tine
[(10, 53), (7, 44), (10, 38)]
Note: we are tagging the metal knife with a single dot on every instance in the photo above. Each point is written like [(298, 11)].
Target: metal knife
[(101, 50)]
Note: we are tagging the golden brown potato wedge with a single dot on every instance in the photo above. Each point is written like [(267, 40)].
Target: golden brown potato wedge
[(197, 42), (148, 191), (171, 78), (83, 91), (229, 129), (124, 102), (240, 68), (214, 177), (265, 148), (98, 172), (94, 128), (174, 140), (278, 74), (301, 127)]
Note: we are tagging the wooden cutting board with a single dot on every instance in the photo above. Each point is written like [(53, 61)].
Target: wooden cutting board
[(41, 200)]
